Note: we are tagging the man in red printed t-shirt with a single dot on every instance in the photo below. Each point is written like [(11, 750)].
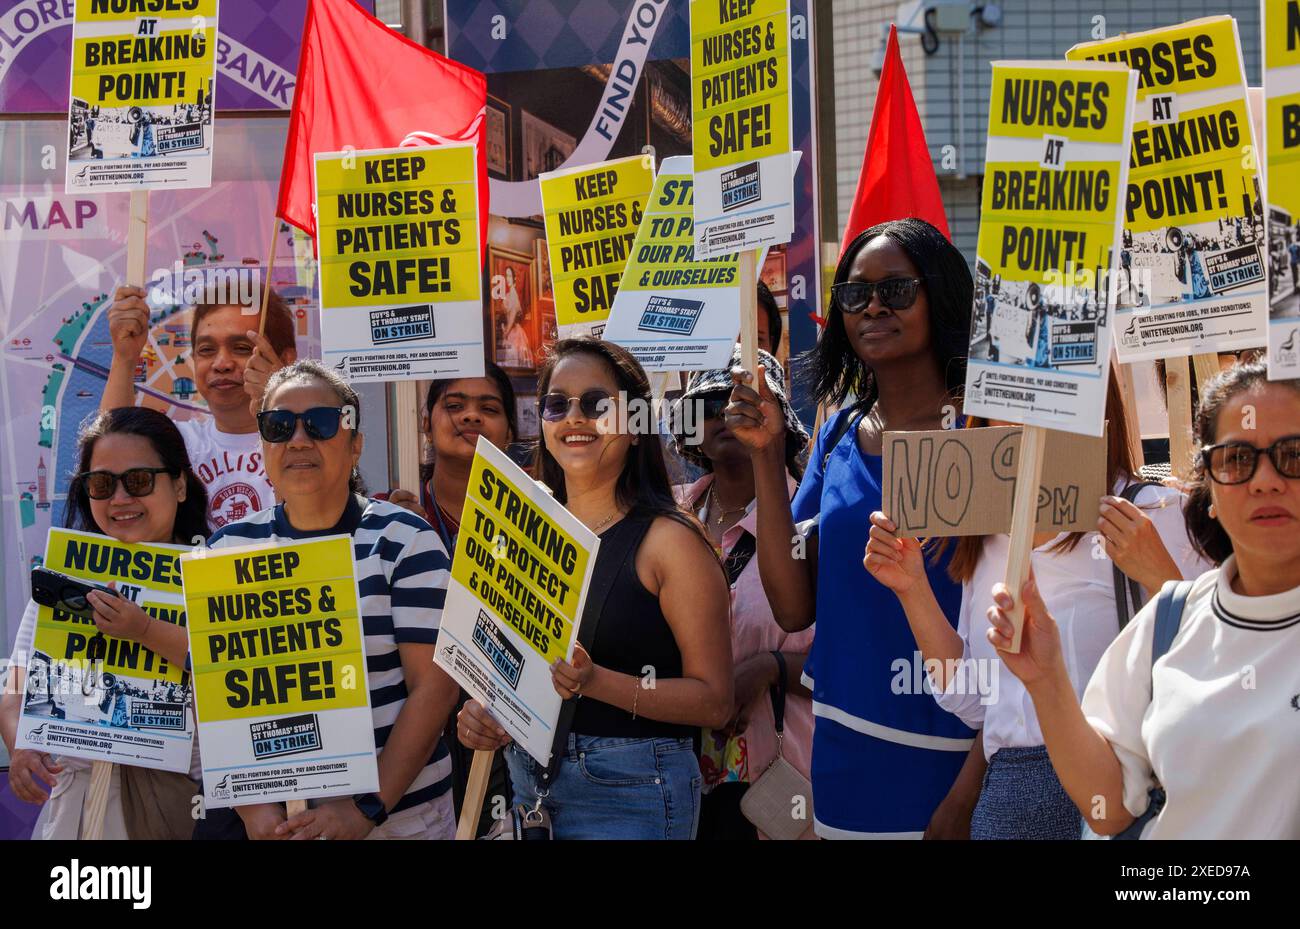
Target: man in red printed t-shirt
[(231, 363)]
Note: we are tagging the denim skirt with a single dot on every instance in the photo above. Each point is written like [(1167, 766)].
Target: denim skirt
[(1022, 798), (608, 788)]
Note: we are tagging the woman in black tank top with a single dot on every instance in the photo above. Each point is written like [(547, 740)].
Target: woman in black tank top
[(653, 663)]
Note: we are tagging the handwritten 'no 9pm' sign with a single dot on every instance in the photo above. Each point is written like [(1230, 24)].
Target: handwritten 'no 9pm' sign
[(952, 482)]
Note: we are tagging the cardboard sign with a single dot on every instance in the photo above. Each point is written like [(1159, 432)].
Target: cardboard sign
[(1056, 171), (98, 697), (952, 482), (592, 216), (1281, 31), (518, 585), (279, 663), (740, 115), (672, 312), (140, 113), (1193, 259), (400, 279)]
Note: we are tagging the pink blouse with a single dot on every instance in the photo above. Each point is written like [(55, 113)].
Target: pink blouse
[(753, 631)]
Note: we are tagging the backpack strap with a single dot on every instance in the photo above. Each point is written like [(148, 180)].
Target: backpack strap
[(1173, 600), (1170, 603), (1128, 592)]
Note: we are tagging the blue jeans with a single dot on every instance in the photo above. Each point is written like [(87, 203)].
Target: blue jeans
[(616, 788)]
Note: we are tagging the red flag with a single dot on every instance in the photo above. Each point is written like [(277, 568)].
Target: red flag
[(364, 85), (897, 178)]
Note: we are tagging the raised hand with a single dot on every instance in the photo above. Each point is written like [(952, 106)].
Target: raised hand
[(128, 323), (896, 563), (754, 417)]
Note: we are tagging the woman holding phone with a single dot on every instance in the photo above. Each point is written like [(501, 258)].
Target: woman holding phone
[(133, 484)]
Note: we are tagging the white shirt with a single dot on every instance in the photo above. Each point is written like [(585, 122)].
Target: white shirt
[(230, 466), (1078, 587), (1222, 730)]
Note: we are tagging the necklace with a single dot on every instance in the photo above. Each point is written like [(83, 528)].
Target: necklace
[(723, 512), (605, 522)]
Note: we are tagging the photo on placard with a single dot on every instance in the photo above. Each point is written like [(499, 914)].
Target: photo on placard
[(545, 147), (498, 137), (529, 422), (1034, 325), (79, 692), (1196, 261), (97, 132), (516, 333), (1284, 264)]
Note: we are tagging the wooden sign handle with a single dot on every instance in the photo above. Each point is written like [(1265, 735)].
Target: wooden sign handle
[(266, 281), (1024, 518), (95, 806), (137, 233), (480, 770), (749, 312), (1206, 366), (294, 807), (661, 382), (1179, 406), (1128, 393)]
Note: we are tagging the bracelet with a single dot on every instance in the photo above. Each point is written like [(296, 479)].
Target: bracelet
[(636, 692)]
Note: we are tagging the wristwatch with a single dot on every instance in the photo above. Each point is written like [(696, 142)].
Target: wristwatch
[(371, 807)]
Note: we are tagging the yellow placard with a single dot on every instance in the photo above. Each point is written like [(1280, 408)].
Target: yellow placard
[(1281, 33), (150, 574), (275, 630), (1188, 58), (1282, 104), (740, 81), (519, 562), (1191, 160), (592, 217), (663, 252), (1039, 224), (1070, 103), (147, 53), (398, 226)]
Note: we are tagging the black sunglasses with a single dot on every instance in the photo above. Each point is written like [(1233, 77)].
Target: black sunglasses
[(593, 404), (1235, 462), (138, 482), (712, 405), (895, 293), (320, 422)]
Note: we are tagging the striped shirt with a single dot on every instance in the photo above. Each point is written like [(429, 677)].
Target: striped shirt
[(402, 575)]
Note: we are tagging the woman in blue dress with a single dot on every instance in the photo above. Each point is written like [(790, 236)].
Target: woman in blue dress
[(886, 760)]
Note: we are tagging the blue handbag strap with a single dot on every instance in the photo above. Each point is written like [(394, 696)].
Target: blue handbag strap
[(1170, 603)]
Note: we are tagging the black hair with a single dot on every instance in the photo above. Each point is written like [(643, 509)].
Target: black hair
[(309, 369), (1206, 533), (439, 387), (643, 483), (279, 329), (774, 324), (191, 513), (834, 368)]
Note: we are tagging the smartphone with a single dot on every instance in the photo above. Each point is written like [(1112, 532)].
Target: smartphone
[(52, 589)]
